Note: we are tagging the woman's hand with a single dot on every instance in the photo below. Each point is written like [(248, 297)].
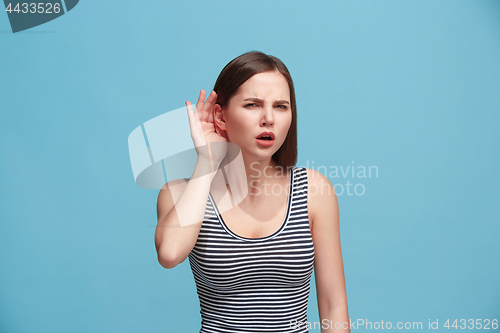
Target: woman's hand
[(210, 145)]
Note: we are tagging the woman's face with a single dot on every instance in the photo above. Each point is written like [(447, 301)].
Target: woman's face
[(261, 104)]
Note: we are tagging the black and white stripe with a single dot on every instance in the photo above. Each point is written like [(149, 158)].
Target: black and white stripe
[(255, 284)]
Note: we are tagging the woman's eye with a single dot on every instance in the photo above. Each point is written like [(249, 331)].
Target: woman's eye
[(284, 107)]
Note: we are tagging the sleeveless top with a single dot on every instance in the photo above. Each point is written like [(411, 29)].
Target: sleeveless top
[(255, 284)]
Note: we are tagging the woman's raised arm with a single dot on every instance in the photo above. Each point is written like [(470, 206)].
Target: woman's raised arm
[(181, 204)]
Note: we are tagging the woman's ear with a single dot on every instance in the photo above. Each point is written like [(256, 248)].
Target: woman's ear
[(219, 121)]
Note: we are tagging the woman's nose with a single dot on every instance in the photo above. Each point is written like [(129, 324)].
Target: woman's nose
[(268, 117)]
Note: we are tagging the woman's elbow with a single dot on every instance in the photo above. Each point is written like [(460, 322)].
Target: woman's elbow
[(167, 260)]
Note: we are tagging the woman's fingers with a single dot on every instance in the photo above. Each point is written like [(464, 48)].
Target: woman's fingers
[(190, 112), (191, 115), (210, 108), (199, 105), (195, 126), (202, 126), (205, 114), (209, 104)]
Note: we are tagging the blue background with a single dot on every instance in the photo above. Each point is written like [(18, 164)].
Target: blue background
[(412, 87)]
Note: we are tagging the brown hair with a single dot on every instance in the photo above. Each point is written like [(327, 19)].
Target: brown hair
[(242, 68)]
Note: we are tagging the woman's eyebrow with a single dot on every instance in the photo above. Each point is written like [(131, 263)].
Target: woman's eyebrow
[(282, 101)]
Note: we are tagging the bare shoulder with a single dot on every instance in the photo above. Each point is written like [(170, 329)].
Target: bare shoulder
[(168, 195), (320, 194), (319, 185)]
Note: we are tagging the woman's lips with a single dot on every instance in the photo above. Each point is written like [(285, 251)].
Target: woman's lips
[(265, 143)]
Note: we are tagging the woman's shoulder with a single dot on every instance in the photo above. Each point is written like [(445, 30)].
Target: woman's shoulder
[(320, 191), (314, 176)]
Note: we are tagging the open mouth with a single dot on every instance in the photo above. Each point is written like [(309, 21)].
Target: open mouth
[(266, 140)]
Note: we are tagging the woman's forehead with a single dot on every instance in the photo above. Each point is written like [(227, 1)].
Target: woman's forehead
[(264, 86)]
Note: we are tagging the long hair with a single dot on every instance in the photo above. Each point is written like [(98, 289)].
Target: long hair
[(242, 68)]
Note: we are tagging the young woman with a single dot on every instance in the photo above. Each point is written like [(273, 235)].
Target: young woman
[(252, 263)]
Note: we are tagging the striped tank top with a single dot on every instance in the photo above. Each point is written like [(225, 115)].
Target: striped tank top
[(255, 284)]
